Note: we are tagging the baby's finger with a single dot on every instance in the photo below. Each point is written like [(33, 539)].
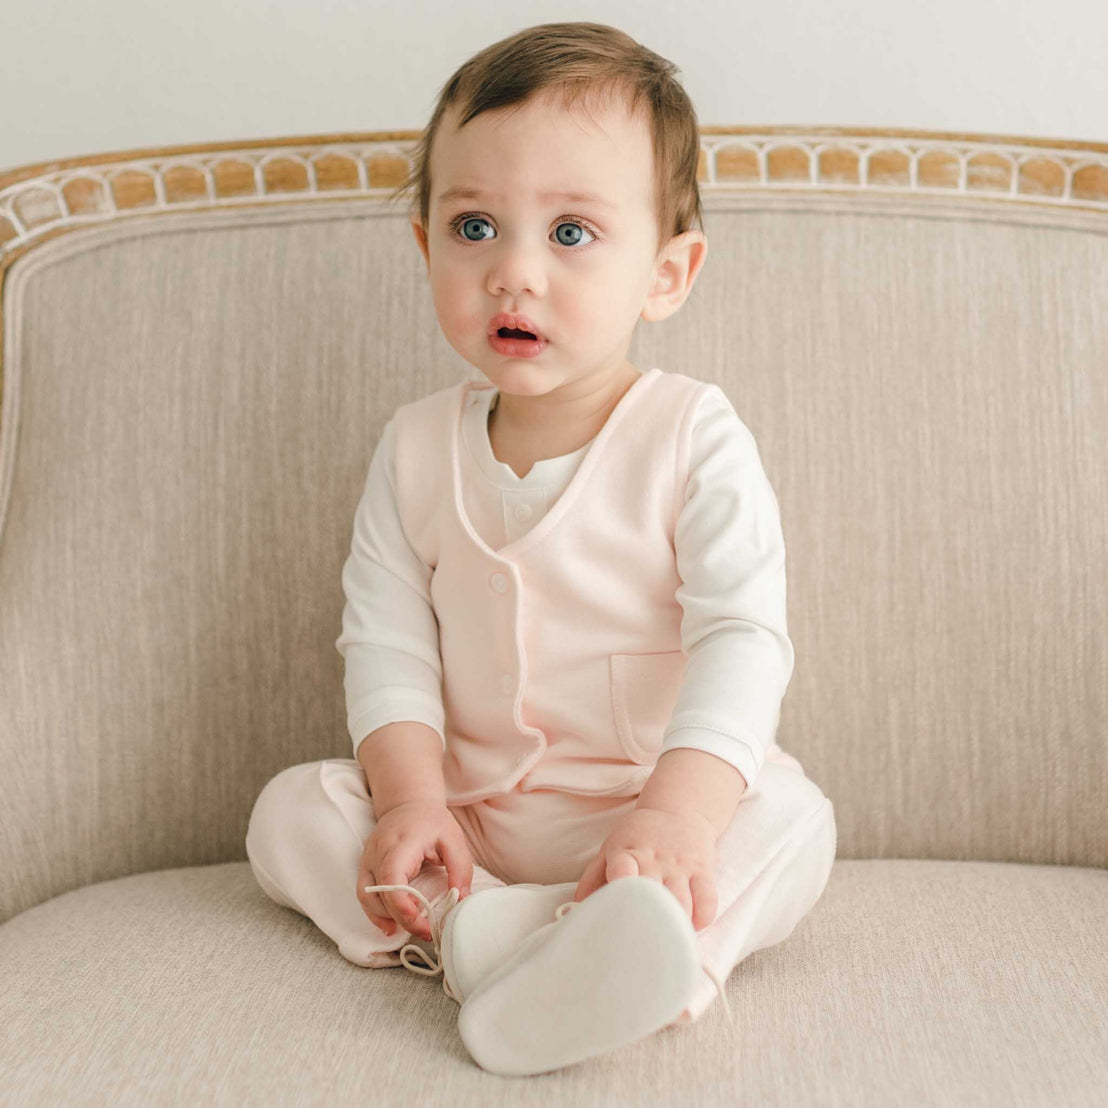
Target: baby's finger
[(398, 869), (384, 923), (591, 879), (378, 903), (705, 901), (371, 903), (403, 906), (458, 862), (679, 886), (621, 864)]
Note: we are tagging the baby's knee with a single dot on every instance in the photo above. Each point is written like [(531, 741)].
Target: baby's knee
[(813, 832), (781, 807), (281, 805), (815, 818), (795, 794)]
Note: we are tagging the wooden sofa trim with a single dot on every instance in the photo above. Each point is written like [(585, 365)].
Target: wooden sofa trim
[(38, 201), (1034, 175)]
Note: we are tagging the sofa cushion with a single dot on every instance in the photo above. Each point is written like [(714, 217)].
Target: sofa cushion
[(911, 981)]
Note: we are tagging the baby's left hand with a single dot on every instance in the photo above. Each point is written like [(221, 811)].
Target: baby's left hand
[(678, 850)]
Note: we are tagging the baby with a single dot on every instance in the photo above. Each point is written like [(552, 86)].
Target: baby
[(565, 636)]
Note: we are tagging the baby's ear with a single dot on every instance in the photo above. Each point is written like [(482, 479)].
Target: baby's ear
[(420, 233), (675, 272)]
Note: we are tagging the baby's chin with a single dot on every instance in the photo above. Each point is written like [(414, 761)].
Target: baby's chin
[(522, 378)]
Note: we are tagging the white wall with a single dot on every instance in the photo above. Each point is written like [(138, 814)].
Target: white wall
[(80, 78)]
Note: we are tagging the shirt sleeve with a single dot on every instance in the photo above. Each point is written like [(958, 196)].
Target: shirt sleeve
[(389, 639), (731, 561)]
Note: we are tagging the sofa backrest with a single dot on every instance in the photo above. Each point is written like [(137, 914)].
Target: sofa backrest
[(201, 347)]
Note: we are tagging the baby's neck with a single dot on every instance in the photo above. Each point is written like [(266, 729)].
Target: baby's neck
[(540, 439), (543, 426)]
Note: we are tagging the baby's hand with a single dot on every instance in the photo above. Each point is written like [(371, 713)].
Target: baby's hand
[(678, 850), (402, 841)]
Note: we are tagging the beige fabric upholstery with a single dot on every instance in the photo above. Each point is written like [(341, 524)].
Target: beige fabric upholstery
[(909, 983), (191, 404), (189, 407)]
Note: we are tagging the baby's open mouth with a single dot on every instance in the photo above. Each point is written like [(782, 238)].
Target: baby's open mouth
[(513, 333)]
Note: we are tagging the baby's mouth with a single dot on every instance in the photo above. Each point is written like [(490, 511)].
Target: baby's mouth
[(513, 333)]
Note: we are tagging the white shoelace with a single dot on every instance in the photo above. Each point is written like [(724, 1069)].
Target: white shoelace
[(433, 962), (433, 965)]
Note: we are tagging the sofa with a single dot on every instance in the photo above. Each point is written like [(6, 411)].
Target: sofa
[(200, 348)]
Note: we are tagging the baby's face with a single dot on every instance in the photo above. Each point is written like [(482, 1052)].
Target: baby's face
[(579, 269)]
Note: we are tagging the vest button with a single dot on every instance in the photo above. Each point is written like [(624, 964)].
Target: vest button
[(523, 511), (508, 684), (499, 582)]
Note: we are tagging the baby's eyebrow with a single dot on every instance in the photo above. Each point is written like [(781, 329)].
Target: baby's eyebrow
[(459, 192)]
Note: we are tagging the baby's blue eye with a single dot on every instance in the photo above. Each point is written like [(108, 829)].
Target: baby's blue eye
[(574, 236), (471, 222)]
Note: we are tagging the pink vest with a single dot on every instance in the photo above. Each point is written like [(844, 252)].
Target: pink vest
[(561, 652)]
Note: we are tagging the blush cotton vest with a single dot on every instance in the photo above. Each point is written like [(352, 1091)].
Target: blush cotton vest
[(561, 651)]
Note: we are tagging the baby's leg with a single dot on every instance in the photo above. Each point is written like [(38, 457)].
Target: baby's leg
[(772, 865), (307, 832)]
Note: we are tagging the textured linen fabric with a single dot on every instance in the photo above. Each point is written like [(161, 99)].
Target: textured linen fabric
[(927, 983), (730, 556)]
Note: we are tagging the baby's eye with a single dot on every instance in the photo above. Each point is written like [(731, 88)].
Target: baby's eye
[(468, 222), (573, 237)]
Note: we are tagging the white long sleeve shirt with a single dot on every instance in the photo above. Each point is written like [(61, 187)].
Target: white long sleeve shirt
[(729, 548)]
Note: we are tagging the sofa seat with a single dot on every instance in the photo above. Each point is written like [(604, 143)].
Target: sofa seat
[(911, 982)]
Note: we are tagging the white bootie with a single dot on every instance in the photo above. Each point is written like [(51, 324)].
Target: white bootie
[(623, 963), (474, 936), (488, 927)]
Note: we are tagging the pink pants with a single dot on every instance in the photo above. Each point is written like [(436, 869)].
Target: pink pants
[(310, 823)]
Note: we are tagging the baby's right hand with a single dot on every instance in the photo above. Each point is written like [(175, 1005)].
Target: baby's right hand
[(404, 839)]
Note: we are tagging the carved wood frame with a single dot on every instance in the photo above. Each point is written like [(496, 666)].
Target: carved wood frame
[(1004, 173)]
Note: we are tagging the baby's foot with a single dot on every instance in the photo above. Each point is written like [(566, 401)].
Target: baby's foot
[(616, 966)]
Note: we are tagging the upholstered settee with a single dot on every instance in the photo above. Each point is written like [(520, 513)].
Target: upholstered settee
[(200, 348)]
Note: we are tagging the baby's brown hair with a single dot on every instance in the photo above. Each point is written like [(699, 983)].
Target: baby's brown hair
[(578, 58)]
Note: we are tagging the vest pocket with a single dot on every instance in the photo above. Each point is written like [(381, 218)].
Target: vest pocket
[(644, 691)]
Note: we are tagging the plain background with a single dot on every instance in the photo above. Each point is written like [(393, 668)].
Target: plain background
[(115, 75)]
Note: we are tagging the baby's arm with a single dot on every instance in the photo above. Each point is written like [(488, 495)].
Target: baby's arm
[(395, 717), (402, 762), (731, 559), (686, 781), (389, 640)]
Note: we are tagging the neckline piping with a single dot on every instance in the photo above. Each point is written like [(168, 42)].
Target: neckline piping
[(518, 547), (492, 467)]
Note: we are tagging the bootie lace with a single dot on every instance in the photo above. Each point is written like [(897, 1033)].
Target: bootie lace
[(563, 908), (432, 962)]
